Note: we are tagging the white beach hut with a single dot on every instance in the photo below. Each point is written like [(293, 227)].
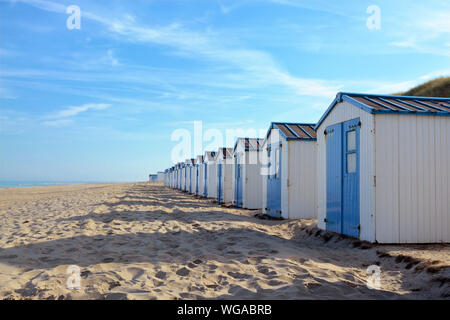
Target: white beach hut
[(172, 177), (199, 186), (289, 186), (224, 163), (178, 176), (210, 175), (166, 177), (247, 178), (192, 176), (384, 168), (160, 176), (189, 165), (183, 177)]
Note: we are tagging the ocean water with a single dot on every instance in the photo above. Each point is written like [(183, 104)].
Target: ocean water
[(27, 184)]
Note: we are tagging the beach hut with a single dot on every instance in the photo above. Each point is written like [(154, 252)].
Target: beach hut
[(224, 163), (178, 176), (247, 178), (192, 176), (289, 186), (172, 177), (200, 182), (210, 175), (166, 177), (160, 176), (188, 164), (384, 167), (183, 176)]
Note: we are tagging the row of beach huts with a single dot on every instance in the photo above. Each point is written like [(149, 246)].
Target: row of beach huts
[(374, 167)]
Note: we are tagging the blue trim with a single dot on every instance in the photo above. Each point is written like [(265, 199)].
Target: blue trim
[(348, 97), (393, 96), (274, 125), (359, 104)]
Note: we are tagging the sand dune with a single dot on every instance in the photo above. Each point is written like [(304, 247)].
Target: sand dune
[(142, 241)]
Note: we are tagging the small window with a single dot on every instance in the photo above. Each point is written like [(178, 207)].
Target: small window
[(351, 162), (351, 140)]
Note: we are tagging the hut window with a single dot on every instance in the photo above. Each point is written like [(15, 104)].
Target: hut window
[(351, 151), (351, 140), (351, 162)]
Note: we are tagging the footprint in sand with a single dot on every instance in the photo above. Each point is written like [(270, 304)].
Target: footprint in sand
[(161, 275), (254, 260), (312, 285), (266, 271), (183, 272), (275, 283), (237, 275)]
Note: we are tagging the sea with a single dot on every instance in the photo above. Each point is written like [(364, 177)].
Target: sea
[(27, 184)]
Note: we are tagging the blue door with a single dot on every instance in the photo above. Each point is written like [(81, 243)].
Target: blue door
[(196, 180), (342, 147), (205, 194), (238, 180), (350, 203), (185, 179), (274, 181), (219, 182), (334, 177)]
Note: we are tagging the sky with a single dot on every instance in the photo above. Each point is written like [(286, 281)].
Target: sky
[(138, 85)]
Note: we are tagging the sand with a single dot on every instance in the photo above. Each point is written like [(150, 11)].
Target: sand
[(143, 241)]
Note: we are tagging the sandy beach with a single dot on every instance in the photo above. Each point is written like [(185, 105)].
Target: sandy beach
[(143, 241)]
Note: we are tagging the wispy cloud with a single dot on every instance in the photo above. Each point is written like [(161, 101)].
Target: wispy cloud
[(402, 86), (256, 65), (64, 117), (421, 29), (57, 123), (73, 111)]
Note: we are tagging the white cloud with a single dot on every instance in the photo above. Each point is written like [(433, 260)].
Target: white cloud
[(422, 29), (63, 117), (73, 111), (402, 86), (57, 123), (436, 74), (406, 43), (255, 65)]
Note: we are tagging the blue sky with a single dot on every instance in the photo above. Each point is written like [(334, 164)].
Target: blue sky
[(101, 103)]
